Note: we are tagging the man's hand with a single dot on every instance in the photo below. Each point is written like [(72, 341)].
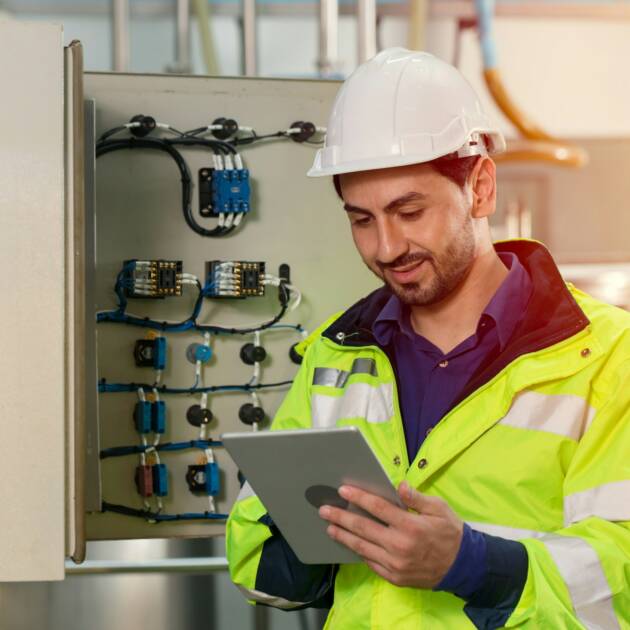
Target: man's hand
[(414, 548)]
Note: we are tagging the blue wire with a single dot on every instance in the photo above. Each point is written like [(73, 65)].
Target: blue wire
[(191, 516), (297, 327), (122, 451), (158, 517)]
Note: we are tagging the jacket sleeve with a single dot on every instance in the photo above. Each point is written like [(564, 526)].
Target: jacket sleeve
[(579, 575), (262, 565)]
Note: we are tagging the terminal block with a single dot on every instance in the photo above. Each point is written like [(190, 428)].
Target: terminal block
[(224, 191), (235, 279), (204, 478), (152, 278), (150, 353)]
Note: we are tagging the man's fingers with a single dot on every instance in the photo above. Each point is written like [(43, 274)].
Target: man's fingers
[(421, 503), (364, 548), (381, 508), (355, 523)]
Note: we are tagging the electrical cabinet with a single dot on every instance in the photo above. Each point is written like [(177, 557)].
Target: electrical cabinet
[(295, 226)]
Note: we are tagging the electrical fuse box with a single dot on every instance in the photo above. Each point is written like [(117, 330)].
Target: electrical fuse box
[(152, 278), (235, 279)]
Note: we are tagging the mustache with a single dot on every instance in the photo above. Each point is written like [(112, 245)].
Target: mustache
[(403, 261)]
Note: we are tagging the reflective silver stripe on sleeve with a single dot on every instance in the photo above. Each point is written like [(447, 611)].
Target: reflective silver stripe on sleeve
[(270, 600), (246, 492), (581, 570), (331, 377), (561, 414), (359, 400), (610, 501), (511, 533)]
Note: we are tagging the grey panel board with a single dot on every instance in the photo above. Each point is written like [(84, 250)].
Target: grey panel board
[(295, 220)]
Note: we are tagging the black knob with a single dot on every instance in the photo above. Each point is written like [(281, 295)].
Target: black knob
[(294, 356), (198, 416), (249, 414), (251, 354), (147, 125), (228, 128), (307, 131)]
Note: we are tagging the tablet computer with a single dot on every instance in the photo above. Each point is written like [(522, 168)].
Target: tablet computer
[(295, 472)]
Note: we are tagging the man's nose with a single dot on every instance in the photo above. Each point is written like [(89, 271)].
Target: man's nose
[(391, 242)]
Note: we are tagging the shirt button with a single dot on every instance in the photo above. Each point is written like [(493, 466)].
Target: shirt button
[(443, 364), (396, 461), (422, 463)]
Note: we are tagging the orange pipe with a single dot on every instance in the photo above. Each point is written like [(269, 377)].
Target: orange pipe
[(543, 151), (543, 147)]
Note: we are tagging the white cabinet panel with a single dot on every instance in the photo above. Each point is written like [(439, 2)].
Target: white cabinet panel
[(32, 383)]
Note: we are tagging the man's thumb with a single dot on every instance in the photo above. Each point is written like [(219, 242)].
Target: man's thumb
[(417, 501)]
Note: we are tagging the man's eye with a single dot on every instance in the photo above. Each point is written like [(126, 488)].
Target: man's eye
[(413, 214), (361, 221)]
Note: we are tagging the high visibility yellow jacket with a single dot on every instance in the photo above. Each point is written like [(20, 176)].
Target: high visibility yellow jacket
[(536, 449)]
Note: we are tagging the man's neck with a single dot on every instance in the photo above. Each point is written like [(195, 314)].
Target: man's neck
[(454, 319)]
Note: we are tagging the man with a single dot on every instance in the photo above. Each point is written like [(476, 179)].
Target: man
[(495, 396)]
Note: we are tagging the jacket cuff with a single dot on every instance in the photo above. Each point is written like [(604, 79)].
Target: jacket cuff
[(491, 605), (281, 574), (468, 572)]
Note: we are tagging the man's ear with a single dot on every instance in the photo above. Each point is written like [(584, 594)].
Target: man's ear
[(483, 185)]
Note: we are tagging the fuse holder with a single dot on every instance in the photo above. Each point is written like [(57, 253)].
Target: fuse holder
[(213, 480), (150, 353), (144, 481), (160, 480), (142, 416), (158, 416)]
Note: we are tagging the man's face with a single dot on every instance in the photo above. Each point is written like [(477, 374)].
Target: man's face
[(413, 228)]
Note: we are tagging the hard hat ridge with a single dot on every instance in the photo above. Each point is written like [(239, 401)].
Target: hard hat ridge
[(404, 107)]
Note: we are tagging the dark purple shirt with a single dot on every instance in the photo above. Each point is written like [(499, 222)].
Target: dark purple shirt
[(421, 367)]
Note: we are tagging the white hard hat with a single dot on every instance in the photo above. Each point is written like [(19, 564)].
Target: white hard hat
[(404, 107)]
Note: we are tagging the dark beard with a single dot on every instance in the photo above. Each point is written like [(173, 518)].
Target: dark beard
[(450, 270)]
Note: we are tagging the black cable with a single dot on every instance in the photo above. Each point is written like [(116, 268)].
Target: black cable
[(111, 132), (108, 146), (284, 302), (117, 388), (218, 146), (256, 138)]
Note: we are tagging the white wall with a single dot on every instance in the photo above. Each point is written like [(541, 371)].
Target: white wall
[(569, 75)]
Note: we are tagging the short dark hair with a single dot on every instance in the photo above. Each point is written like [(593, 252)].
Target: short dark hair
[(456, 169)]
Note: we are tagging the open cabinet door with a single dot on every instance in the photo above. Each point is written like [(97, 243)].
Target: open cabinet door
[(40, 249), (78, 236)]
